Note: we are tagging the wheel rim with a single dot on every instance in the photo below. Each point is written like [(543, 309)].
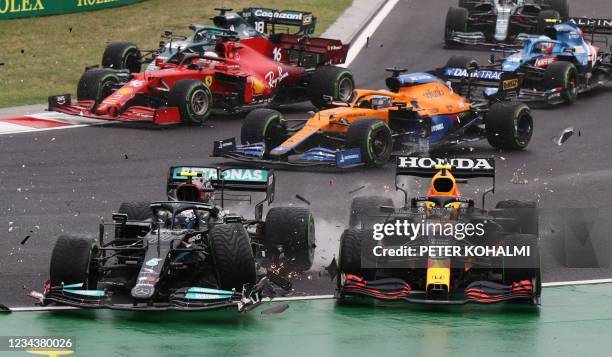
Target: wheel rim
[(379, 145), (132, 63), (524, 129), (199, 102), (572, 88), (345, 89), (106, 89)]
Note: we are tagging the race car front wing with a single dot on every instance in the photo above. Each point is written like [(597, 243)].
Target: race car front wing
[(481, 292), (186, 299), (318, 156), (140, 114)]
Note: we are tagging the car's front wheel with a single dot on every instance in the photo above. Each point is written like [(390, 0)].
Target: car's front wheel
[(509, 126), (193, 99)]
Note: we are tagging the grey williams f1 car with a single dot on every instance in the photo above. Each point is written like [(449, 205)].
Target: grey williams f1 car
[(491, 22), (445, 251), (419, 112), (185, 253)]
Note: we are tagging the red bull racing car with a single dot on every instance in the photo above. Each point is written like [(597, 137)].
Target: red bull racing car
[(440, 248)]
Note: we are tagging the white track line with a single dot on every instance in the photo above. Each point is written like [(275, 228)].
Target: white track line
[(362, 38), (314, 297), (577, 282)]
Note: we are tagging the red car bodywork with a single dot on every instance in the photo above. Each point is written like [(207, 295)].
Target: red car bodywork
[(238, 73)]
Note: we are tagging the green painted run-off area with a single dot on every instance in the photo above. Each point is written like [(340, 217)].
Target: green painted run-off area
[(572, 321)]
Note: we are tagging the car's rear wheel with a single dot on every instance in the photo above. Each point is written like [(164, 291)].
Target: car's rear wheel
[(291, 231), (73, 262), (332, 81), (565, 76), (467, 4), (135, 211), (524, 212), (364, 204), (264, 126), (562, 7), (373, 138), (466, 62), (96, 84), (193, 99), (456, 21), (509, 126), (545, 19), (232, 256), (122, 55)]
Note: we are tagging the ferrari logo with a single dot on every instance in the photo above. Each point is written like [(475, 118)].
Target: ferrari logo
[(208, 81)]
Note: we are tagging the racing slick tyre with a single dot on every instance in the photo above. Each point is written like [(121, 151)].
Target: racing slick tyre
[(232, 255), (526, 212), (349, 256), (193, 99), (136, 211), (332, 81), (560, 6), (72, 262), (373, 138), (523, 267), (467, 4), (122, 55), (264, 126), (466, 62), (363, 204), (96, 84), (545, 19), (509, 126), (293, 230), (565, 76), (456, 21)]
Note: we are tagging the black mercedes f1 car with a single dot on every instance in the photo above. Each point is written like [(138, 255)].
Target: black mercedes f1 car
[(188, 252)]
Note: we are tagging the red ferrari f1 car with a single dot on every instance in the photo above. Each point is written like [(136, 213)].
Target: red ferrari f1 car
[(230, 73)]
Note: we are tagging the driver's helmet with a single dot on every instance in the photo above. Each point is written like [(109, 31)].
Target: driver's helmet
[(380, 102), (187, 219), (544, 47)]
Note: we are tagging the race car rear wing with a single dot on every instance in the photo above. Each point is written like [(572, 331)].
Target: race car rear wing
[(271, 21), (503, 85), (593, 26), (228, 179), (461, 168)]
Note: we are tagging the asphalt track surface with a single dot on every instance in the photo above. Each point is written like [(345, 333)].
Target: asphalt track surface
[(329, 328), (66, 180)]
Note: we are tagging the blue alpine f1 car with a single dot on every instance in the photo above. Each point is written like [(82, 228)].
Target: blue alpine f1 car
[(555, 67)]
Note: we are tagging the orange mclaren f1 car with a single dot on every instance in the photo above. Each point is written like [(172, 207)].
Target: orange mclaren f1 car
[(440, 248), (418, 112)]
